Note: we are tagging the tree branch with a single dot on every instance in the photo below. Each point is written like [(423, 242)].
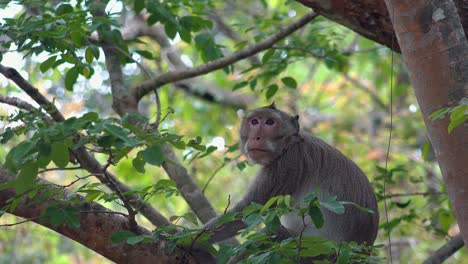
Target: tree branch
[(85, 159), (373, 95), (33, 92), (179, 75), (189, 190), (138, 27), (447, 250), (97, 224)]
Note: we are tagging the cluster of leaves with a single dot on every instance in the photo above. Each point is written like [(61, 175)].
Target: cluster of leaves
[(275, 61), (458, 115), (63, 32), (261, 247), (53, 143)]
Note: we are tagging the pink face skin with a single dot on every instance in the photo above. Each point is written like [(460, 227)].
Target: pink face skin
[(262, 128)]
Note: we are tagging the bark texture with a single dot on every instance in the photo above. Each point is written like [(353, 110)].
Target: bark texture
[(369, 18), (97, 223), (435, 50)]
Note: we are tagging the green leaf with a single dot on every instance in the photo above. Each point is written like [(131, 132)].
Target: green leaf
[(171, 30), (316, 216), (77, 38), (457, 117), (89, 55), (26, 178), (315, 246), (333, 205), (289, 82), (139, 5), (239, 85), (154, 155), (139, 162), (191, 218), (403, 205), (47, 64), (70, 78), (59, 154), (63, 9), (53, 215), (145, 54), (117, 131), (269, 203), (119, 237), (72, 216), (271, 91), (90, 117), (92, 195), (344, 257), (241, 165), (225, 218), (266, 57), (439, 114), (425, 150), (135, 240)]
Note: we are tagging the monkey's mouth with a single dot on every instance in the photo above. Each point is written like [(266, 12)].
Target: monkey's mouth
[(256, 155), (257, 150)]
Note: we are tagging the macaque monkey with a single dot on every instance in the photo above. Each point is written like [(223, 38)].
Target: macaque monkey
[(295, 163)]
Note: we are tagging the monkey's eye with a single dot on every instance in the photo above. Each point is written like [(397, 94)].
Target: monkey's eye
[(270, 122), (254, 121)]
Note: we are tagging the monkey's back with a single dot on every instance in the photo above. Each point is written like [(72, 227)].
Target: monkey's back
[(330, 171)]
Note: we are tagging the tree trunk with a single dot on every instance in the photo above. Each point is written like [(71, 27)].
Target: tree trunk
[(369, 18), (435, 50)]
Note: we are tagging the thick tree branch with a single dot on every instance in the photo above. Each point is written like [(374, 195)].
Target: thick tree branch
[(447, 250), (179, 75), (97, 224)]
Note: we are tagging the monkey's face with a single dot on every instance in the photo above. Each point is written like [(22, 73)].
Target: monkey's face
[(264, 132)]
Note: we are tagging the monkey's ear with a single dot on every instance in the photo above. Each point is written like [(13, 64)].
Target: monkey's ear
[(272, 106)]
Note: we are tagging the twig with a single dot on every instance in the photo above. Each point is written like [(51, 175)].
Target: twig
[(178, 75), (20, 222), (61, 169), (115, 187), (214, 174), (33, 92), (413, 194), (13, 101), (228, 204), (77, 180)]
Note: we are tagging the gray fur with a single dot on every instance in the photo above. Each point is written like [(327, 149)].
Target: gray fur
[(299, 164)]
